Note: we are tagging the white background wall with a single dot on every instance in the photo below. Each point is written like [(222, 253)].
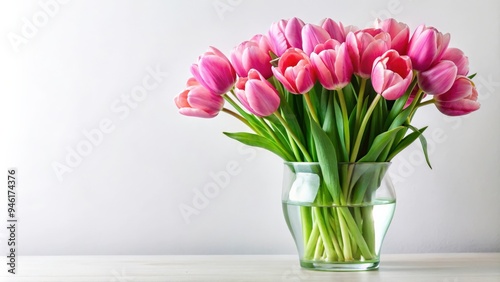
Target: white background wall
[(70, 75)]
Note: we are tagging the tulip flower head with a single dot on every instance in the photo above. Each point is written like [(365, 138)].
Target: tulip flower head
[(333, 67), (334, 29), (438, 79), (197, 101), (364, 47), (427, 46), (285, 34), (313, 35), (214, 71), (248, 55), (295, 71), (462, 87), (391, 75), (458, 57), (257, 95), (460, 107), (399, 32)]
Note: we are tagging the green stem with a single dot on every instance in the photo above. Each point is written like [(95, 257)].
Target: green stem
[(295, 138), (415, 102), (359, 137), (355, 232), (273, 135), (428, 102), (345, 120), (360, 101), (312, 110), (311, 244), (307, 223), (323, 231), (231, 113), (346, 240), (334, 226)]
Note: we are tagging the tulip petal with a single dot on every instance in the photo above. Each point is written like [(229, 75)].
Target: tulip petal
[(438, 79), (462, 88), (196, 113)]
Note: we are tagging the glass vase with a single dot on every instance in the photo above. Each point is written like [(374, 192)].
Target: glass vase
[(339, 230)]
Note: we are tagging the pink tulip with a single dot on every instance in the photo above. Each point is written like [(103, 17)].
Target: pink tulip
[(329, 44), (284, 33), (438, 79), (399, 32), (460, 107), (214, 71), (295, 71), (364, 47), (257, 95), (336, 31), (197, 101), (391, 75), (313, 35), (262, 41), (426, 47), (248, 55), (333, 67), (293, 31), (462, 88), (458, 57)]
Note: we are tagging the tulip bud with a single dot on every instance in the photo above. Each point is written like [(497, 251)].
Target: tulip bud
[(391, 75), (197, 101), (295, 71), (462, 87), (248, 55), (293, 31), (335, 30), (313, 35), (333, 67), (438, 79), (257, 95), (399, 32), (285, 34), (426, 47), (460, 107), (364, 47), (458, 57), (214, 71)]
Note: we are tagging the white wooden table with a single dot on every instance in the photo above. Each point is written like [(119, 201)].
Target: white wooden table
[(397, 268)]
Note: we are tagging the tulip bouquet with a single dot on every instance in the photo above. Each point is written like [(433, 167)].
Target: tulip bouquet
[(332, 94)]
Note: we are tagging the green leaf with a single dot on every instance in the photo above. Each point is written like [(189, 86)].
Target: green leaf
[(259, 141), (401, 118), (290, 117), (379, 144), (410, 138), (330, 128), (327, 159), (472, 76), (398, 106), (423, 141)]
